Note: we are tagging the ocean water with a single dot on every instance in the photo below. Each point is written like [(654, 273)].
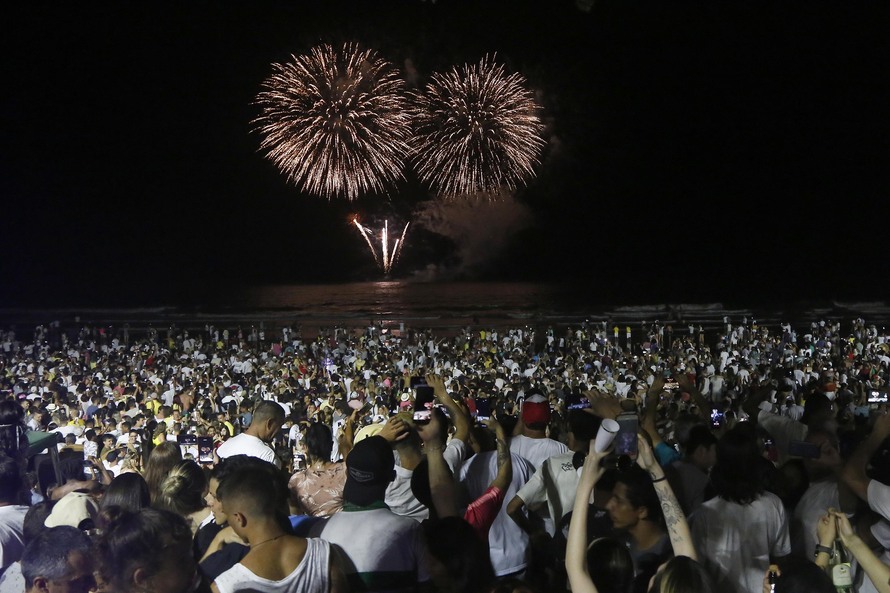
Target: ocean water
[(437, 305)]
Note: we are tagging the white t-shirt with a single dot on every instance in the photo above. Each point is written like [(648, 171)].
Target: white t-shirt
[(246, 444), (736, 541), (11, 545), (536, 451), (555, 484), (814, 503), (507, 543), (399, 497)]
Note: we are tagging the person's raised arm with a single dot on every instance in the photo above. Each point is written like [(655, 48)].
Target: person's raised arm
[(441, 481), (877, 571), (651, 412), (504, 476), (854, 472), (678, 528), (458, 416), (576, 544)]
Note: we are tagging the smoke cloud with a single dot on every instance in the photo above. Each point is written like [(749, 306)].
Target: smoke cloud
[(480, 227)]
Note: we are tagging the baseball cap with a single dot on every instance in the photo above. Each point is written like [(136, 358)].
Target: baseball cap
[(73, 509), (535, 410), (370, 467)]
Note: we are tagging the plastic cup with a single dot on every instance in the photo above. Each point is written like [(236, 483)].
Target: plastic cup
[(607, 433)]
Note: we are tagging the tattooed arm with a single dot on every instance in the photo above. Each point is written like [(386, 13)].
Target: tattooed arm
[(505, 463), (678, 528)]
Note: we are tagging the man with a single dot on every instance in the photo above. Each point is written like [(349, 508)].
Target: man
[(59, 560), (532, 443), (12, 515), (691, 473), (554, 484), (397, 560), (508, 544), (251, 499), (267, 419)]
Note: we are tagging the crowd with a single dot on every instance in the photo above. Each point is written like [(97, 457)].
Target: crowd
[(383, 460)]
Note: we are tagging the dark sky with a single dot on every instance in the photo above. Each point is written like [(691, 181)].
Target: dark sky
[(696, 150)]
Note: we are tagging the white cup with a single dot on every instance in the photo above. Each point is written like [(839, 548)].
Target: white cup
[(607, 433)]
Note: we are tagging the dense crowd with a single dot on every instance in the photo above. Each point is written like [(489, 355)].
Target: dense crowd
[(381, 460)]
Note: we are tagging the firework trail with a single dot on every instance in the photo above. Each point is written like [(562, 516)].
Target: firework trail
[(390, 255), (477, 130), (335, 121)]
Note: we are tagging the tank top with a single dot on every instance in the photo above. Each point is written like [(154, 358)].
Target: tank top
[(310, 576)]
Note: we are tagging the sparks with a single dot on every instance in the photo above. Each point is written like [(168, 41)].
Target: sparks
[(389, 255), (335, 121), (477, 131)]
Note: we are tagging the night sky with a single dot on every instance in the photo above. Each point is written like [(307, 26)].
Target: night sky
[(695, 150)]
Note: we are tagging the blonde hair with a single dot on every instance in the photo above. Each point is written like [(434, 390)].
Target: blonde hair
[(183, 490)]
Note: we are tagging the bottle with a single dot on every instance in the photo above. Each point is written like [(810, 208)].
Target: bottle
[(841, 573)]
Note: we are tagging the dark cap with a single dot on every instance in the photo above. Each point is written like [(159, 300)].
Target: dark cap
[(370, 467)]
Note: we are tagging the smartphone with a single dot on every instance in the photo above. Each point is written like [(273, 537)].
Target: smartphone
[(89, 472), (483, 409), (717, 418), (576, 402), (626, 441), (804, 449), (877, 397), (205, 450), (423, 403), (417, 381), (188, 446)]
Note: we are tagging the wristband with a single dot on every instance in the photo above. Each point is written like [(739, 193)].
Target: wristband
[(820, 549)]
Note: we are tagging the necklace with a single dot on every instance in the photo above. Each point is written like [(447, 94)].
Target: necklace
[(266, 541)]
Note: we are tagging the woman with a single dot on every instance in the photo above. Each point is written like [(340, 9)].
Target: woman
[(147, 551), (183, 492), (128, 491), (318, 490), (161, 462)]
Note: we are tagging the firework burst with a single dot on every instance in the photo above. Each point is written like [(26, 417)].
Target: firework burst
[(335, 122), (388, 254), (477, 130)]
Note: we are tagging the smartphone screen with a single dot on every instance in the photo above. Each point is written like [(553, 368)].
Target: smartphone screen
[(205, 450), (188, 446), (576, 402), (626, 441), (804, 449), (717, 418), (423, 403), (483, 409), (417, 381)]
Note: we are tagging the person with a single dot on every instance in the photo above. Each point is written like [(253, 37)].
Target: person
[(691, 472), (555, 483), (398, 559), (508, 544), (278, 561), (607, 567), (318, 490), (741, 530), (796, 575), (147, 551), (128, 491), (183, 492), (161, 462), (267, 419), (12, 515), (822, 493), (13, 437), (59, 560), (532, 443)]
